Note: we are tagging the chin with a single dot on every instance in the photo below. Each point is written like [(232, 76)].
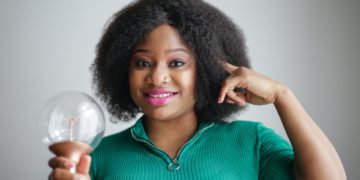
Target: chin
[(160, 114)]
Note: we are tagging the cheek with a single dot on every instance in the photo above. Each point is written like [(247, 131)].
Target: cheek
[(134, 81), (187, 79)]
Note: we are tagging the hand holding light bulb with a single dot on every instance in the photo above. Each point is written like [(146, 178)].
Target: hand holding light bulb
[(73, 125)]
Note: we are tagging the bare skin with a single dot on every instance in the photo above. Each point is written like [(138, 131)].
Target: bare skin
[(61, 168), (170, 136), (163, 61), (315, 157)]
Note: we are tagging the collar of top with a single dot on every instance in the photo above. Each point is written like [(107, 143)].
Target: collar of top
[(139, 130), (173, 163)]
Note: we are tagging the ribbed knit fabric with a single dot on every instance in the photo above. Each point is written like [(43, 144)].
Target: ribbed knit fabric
[(236, 150)]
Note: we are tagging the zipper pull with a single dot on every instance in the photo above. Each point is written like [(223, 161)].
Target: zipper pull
[(174, 165)]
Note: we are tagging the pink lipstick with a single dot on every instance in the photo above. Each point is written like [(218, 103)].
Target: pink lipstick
[(158, 97)]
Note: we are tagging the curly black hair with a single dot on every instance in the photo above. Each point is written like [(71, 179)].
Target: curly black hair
[(211, 35)]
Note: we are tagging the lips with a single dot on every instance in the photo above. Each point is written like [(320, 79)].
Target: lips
[(158, 97)]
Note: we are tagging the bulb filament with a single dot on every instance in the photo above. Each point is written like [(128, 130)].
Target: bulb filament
[(72, 120)]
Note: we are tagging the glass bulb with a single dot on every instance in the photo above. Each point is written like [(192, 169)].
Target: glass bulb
[(73, 124)]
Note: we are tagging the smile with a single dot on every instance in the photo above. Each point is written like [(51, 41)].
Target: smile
[(158, 97)]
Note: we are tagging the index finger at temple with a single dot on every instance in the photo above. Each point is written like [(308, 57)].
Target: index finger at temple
[(222, 93), (229, 67)]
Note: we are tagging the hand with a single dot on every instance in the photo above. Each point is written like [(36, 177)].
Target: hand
[(61, 168), (260, 89)]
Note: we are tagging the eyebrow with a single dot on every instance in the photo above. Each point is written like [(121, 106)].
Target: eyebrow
[(167, 50)]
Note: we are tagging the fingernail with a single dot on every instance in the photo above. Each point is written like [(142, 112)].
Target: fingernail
[(219, 100)]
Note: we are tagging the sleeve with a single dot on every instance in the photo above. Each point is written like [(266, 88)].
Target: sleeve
[(276, 155)]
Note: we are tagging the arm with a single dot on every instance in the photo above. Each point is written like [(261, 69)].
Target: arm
[(315, 156)]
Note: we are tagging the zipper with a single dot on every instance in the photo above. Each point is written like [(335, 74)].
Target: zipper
[(151, 145), (192, 139), (173, 163)]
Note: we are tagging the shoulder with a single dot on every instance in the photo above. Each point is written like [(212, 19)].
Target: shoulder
[(238, 126), (109, 147), (112, 142), (235, 131), (123, 135), (243, 130)]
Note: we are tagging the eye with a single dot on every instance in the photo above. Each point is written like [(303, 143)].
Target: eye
[(176, 63), (142, 63)]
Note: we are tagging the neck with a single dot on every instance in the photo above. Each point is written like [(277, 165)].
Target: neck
[(180, 128)]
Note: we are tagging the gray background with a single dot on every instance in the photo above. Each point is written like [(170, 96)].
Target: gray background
[(47, 46)]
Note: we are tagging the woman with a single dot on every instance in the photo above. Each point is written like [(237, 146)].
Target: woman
[(184, 65)]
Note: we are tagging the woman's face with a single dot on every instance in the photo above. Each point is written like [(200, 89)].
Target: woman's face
[(162, 75)]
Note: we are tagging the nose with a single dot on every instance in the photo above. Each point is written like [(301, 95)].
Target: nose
[(159, 75)]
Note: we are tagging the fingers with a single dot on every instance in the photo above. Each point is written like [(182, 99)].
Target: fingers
[(228, 89), (84, 164), (229, 67), (254, 87), (233, 84), (237, 98), (229, 85), (61, 168), (230, 101), (227, 93), (59, 173), (61, 162), (65, 163), (223, 91), (63, 174)]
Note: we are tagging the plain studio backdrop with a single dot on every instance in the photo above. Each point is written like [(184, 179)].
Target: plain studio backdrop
[(47, 47)]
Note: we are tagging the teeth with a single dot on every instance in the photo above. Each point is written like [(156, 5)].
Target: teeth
[(160, 95)]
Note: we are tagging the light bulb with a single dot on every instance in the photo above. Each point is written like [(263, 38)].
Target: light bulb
[(72, 125)]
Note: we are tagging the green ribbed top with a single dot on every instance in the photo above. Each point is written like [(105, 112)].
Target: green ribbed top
[(236, 150)]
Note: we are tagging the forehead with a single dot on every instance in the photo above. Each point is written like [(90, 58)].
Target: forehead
[(163, 37)]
